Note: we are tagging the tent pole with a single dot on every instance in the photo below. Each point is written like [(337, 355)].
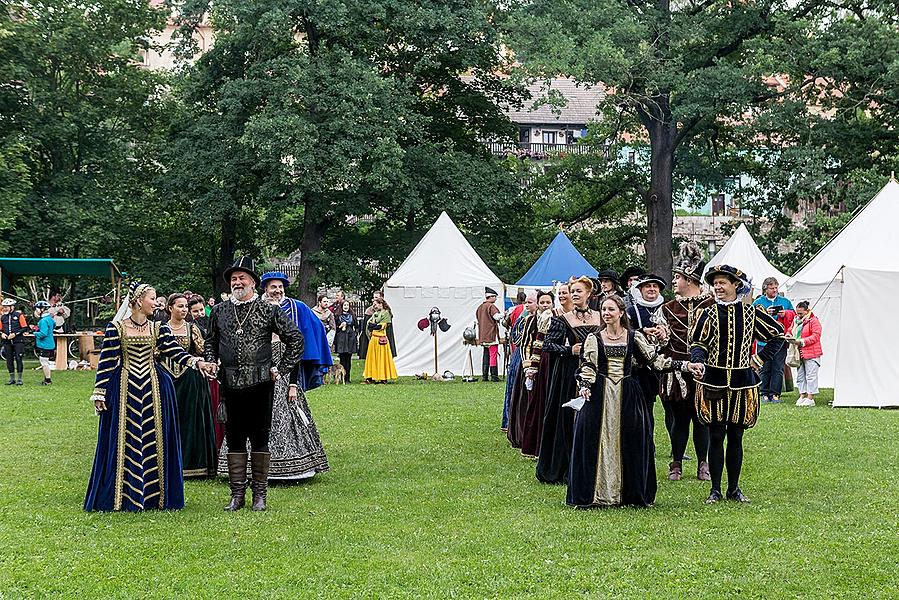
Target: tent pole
[(435, 352)]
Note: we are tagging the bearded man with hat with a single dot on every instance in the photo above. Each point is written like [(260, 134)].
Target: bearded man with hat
[(239, 338), (727, 391), (678, 389), (316, 359), (13, 326), (488, 316)]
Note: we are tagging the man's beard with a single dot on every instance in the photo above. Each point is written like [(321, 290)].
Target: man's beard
[(241, 293)]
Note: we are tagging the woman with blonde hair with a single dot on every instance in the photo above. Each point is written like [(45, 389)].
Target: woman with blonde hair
[(137, 464)]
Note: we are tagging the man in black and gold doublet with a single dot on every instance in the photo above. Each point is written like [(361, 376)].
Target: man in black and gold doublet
[(727, 395), (239, 338)]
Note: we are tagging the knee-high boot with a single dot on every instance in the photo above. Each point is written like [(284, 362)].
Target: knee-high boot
[(260, 463), (237, 479)]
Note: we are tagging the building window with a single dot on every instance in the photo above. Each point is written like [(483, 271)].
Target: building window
[(549, 137), (524, 135), (718, 205), (632, 157)]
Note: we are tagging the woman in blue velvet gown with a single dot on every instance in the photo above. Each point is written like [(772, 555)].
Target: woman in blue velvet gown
[(137, 464)]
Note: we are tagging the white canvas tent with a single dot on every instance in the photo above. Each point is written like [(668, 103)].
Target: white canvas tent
[(742, 252), (868, 242), (443, 271), (866, 372)]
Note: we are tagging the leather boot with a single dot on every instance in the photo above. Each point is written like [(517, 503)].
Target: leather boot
[(675, 471), (702, 471), (237, 479), (260, 463), (494, 373)]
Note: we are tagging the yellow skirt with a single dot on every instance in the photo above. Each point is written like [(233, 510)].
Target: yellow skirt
[(379, 360)]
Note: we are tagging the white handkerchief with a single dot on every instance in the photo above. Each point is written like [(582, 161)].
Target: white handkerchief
[(575, 403)]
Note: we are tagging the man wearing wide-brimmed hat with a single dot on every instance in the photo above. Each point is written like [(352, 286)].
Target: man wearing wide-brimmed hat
[(605, 284), (678, 389), (727, 393), (240, 340)]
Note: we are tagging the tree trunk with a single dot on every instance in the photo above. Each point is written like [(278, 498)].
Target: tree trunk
[(313, 234), (226, 255), (659, 198)]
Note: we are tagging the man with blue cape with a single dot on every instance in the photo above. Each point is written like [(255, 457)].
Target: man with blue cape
[(317, 355)]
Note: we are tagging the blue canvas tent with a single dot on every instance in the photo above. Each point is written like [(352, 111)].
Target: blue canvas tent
[(558, 262)]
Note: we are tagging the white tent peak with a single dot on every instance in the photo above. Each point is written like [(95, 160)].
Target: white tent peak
[(868, 241), (443, 258), (742, 252)]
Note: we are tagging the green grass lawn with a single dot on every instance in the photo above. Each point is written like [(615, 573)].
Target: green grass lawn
[(426, 500)]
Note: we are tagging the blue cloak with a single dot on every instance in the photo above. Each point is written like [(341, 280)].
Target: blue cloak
[(317, 353)]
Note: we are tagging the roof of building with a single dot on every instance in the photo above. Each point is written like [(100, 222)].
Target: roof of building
[(580, 107)]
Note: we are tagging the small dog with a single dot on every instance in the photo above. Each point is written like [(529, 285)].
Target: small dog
[(337, 375)]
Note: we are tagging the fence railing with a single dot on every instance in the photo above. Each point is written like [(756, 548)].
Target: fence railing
[(538, 150)]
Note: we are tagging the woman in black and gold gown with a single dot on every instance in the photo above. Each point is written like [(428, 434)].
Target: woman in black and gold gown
[(192, 395), (137, 464), (612, 457), (563, 341)]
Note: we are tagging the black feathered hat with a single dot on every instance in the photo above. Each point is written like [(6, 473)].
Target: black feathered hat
[(489, 291), (689, 263)]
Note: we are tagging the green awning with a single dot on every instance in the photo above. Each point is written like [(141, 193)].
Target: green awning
[(66, 267)]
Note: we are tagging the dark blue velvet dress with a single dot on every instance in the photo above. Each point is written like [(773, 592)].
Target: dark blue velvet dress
[(137, 464)]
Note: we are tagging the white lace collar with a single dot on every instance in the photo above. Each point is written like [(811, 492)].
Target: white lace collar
[(252, 298), (638, 299)]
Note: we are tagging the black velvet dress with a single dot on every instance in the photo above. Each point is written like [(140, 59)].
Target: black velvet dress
[(612, 458), (558, 422)]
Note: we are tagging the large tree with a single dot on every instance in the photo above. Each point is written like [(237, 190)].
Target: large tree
[(342, 128), (677, 74)]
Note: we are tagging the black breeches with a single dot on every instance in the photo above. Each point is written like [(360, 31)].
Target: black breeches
[(683, 413), (249, 416), (15, 351), (734, 434), (346, 361)]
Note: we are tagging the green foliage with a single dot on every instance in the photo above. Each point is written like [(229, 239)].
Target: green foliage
[(425, 499), (342, 128)]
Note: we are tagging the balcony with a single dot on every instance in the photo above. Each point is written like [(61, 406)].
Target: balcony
[(538, 151)]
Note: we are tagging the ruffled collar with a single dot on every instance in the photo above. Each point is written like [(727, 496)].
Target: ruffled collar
[(639, 300), (698, 298), (252, 298)]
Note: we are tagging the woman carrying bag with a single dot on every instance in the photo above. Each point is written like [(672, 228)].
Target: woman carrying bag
[(806, 340)]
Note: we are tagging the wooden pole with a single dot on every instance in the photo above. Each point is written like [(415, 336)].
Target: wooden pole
[(435, 351)]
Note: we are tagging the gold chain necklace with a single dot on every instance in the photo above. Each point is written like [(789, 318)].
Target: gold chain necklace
[(240, 321)]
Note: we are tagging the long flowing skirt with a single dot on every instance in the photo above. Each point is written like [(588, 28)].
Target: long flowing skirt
[(137, 464), (379, 365), (535, 409), (516, 407), (511, 380), (558, 422), (612, 450), (294, 443), (196, 424)]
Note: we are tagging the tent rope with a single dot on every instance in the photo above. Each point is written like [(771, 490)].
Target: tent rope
[(840, 270)]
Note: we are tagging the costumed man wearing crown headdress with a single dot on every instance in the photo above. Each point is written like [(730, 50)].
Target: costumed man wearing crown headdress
[(240, 339), (678, 389), (489, 316), (727, 392)]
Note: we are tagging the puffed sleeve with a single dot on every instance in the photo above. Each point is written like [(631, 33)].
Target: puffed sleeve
[(700, 336), (169, 347), (586, 374), (652, 357), (110, 359), (767, 329)]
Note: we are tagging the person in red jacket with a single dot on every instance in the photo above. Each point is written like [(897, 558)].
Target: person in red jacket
[(807, 335)]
